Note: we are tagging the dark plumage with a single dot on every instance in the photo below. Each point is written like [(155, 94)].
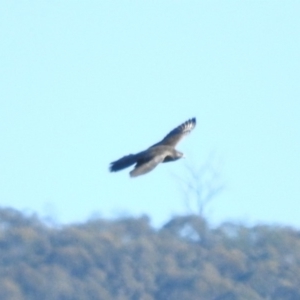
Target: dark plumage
[(163, 151)]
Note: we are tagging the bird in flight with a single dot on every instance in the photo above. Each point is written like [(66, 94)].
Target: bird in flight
[(161, 152)]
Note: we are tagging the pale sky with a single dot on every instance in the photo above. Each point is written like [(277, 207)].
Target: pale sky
[(83, 83)]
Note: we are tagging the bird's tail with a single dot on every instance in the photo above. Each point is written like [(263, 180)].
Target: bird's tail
[(123, 163)]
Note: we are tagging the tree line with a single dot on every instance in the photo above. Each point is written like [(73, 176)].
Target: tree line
[(127, 258)]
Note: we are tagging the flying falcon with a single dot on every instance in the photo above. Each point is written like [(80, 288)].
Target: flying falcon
[(163, 151)]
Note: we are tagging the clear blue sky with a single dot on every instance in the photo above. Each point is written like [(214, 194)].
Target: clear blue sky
[(83, 83)]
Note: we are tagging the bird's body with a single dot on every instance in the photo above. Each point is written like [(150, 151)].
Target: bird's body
[(164, 151)]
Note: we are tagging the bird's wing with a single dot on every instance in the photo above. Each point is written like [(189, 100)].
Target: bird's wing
[(173, 137), (144, 167)]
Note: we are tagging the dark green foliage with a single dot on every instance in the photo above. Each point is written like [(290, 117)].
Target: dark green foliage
[(128, 259)]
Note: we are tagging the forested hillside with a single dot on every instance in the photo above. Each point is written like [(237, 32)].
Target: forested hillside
[(128, 259)]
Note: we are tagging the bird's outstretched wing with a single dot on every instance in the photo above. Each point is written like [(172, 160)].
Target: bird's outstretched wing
[(173, 137), (144, 167)]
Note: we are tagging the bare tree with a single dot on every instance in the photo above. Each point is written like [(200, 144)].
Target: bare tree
[(201, 184)]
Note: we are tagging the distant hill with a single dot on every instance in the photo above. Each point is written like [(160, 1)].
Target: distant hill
[(128, 259)]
